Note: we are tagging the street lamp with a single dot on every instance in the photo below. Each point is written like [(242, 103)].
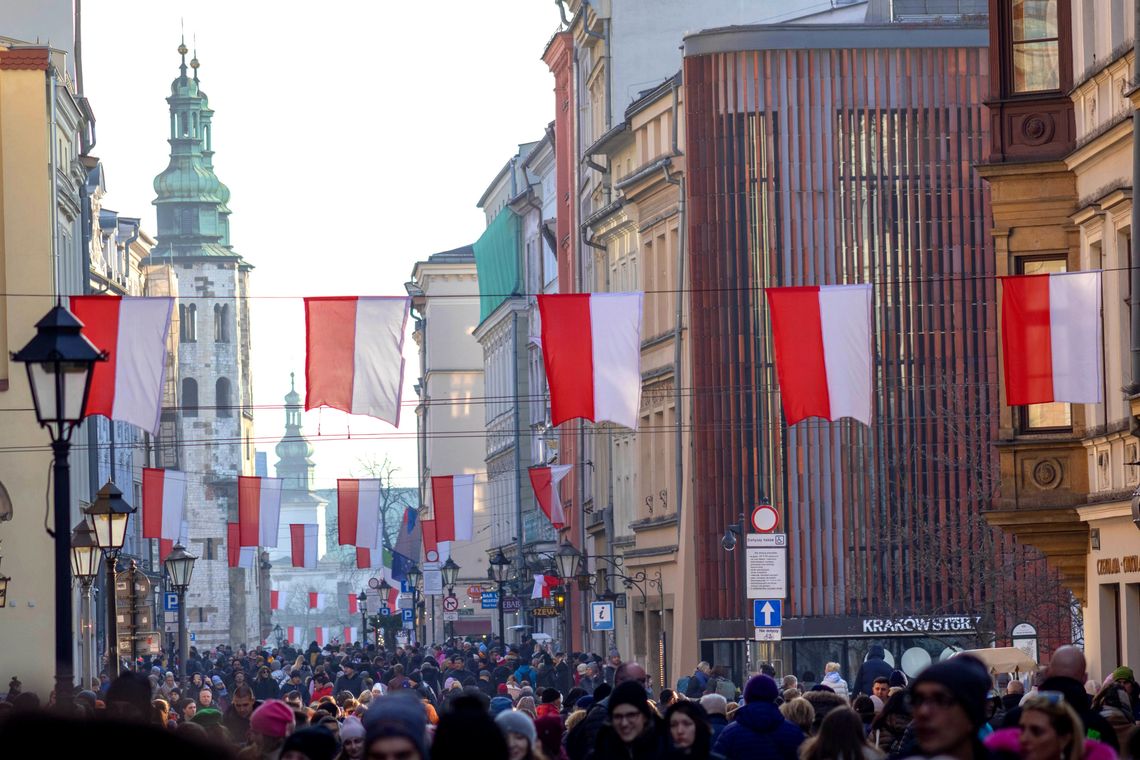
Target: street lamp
[(109, 515), (500, 566), (566, 559), (179, 567), (279, 634), (449, 572), (60, 362), (363, 603), (414, 574), (84, 567)]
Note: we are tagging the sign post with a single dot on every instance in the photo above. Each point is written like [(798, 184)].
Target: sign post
[(601, 616), (766, 568)]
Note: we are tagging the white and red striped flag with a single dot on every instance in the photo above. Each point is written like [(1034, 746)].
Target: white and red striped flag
[(133, 331), (363, 558), (1051, 338), (323, 635), (278, 599), (303, 544), (544, 481), (431, 544), (822, 341), (350, 634), (259, 510), (166, 545), (393, 597), (318, 600), (238, 555), (163, 502), (354, 354), (542, 586), (453, 498), (591, 347), (358, 512), (295, 634), (353, 605)]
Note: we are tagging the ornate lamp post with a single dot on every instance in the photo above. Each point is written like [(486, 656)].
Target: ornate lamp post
[(84, 568), (109, 515), (362, 602), (279, 634), (60, 362), (449, 573), (500, 574), (414, 575), (179, 567)]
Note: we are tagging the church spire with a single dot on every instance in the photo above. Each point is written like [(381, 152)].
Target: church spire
[(294, 452)]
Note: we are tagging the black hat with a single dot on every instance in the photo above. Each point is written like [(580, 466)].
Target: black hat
[(549, 696), (967, 681), (630, 693)]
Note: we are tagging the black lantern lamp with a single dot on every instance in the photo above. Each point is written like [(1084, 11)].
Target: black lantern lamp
[(109, 515), (85, 553), (450, 572)]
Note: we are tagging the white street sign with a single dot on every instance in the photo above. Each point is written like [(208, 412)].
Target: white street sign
[(767, 634), (767, 573), (766, 540), (451, 615)]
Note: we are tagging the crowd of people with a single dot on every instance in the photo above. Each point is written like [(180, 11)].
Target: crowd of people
[(479, 700)]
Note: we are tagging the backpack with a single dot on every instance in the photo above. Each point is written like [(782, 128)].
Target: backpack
[(683, 685)]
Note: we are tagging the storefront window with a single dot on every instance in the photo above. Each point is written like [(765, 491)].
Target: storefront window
[(1056, 415), (1036, 64)]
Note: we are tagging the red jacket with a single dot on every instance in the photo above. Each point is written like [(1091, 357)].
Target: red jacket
[(321, 691)]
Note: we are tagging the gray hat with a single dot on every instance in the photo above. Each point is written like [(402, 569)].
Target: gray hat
[(515, 722), (397, 715)]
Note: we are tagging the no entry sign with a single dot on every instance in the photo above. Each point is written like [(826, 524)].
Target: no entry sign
[(765, 518)]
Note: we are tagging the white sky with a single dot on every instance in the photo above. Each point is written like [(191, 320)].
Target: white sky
[(355, 136)]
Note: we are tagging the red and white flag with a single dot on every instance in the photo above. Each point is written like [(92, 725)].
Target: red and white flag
[(544, 481), (542, 586), (591, 347), (393, 597), (133, 331), (1051, 338), (363, 558), (323, 635), (355, 354), (453, 498), (358, 512), (350, 634), (822, 341), (238, 555), (295, 634), (303, 544), (278, 600), (163, 502), (259, 510), (353, 605), (431, 543), (317, 600), (166, 545)]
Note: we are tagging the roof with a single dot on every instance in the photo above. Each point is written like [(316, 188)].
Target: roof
[(731, 39), (463, 253), (29, 58), (645, 97)]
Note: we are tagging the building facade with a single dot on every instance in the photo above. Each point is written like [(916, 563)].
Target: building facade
[(1062, 103), (211, 427), (823, 154)]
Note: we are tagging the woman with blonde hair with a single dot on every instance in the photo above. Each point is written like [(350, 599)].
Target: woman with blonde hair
[(1050, 729), (799, 711), (834, 681)]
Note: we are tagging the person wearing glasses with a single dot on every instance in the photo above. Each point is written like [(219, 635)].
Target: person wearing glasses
[(948, 702), (633, 730)]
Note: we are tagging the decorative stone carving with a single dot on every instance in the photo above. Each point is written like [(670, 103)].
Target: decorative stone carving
[(1037, 128), (1046, 474)]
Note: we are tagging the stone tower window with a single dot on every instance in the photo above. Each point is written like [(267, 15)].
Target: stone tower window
[(224, 397), (221, 323), (189, 397), (188, 321)]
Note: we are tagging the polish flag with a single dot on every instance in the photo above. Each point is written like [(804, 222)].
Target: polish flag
[(164, 502), (259, 510), (453, 497), (393, 597), (431, 543), (133, 331), (822, 341), (166, 545), (238, 555), (358, 512), (303, 543), (1051, 339), (294, 634), (317, 600), (323, 635), (354, 354), (542, 586), (353, 604), (544, 481), (350, 634), (278, 599), (591, 347), (363, 558)]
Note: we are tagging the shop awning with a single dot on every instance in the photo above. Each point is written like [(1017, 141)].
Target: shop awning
[(1003, 659)]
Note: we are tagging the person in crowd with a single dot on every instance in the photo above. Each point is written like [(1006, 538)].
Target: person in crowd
[(633, 729), (800, 712), (187, 708), (834, 680), (519, 731), (395, 729), (758, 730), (322, 687), (948, 704), (873, 668), (586, 677), (720, 683), (237, 716), (563, 678), (526, 705), (716, 707), (315, 743), (550, 731), (690, 735), (551, 703), (881, 688), (890, 724), (466, 730), (841, 736), (865, 707), (581, 738), (698, 681), (1112, 704), (1014, 693), (823, 700), (1050, 729)]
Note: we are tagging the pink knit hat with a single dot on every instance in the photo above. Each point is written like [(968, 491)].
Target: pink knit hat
[(272, 718)]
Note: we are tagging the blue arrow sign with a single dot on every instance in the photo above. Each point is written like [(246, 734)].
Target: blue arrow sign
[(766, 613)]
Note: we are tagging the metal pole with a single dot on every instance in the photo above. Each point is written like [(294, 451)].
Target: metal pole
[(183, 653), (747, 654), (1134, 265), (112, 563), (64, 638), (502, 629), (86, 632), (132, 573)]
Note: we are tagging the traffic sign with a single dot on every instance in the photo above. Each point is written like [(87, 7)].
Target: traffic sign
[(766, 568), (450, 616), (490, 600), (766, 613), (601, 616), (170, 602), (385, 611), (450, 604), (407, 615), (767, 634), (765, 518)]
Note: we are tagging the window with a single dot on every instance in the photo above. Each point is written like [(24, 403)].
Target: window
[(221, 323), (223, 397), (1036, 62), (189, 397), (188, 322), (1056, 415)]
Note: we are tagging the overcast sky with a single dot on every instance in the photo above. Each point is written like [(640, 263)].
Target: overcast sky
[(356, 138)]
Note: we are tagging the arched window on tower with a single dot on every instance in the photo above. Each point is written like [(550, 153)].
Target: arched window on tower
[(188, 322), (221, 323), (189, 397), (223, 395)]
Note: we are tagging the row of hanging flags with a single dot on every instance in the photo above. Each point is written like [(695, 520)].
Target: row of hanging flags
[(822, 338), (322, 634)]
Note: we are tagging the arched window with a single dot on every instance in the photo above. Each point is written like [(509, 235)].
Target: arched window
[(221, 323), (223, 398), (188, 322), (189, 397)]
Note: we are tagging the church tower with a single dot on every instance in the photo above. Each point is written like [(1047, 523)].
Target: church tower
[(209, 433), (299, 504)]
